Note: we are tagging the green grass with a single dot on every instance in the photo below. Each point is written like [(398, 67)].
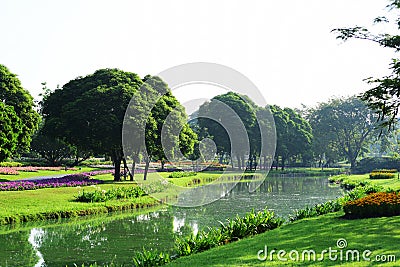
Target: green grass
[(393, 183), (50, 203), (379, 235)]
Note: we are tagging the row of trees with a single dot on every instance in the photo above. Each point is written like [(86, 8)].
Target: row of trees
[(341, 129), (86, 117)]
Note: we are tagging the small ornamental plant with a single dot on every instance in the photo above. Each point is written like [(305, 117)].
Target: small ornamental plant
[(374, 205)]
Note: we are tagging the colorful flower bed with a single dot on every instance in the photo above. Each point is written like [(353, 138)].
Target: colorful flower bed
[(374, 205), (8, 171), (66, 181)]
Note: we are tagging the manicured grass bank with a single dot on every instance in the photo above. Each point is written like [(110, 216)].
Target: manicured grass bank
[(351, 181), (50, 203), (379, 235)]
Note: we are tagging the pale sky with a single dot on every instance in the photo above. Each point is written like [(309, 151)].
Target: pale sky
[(284, 47)]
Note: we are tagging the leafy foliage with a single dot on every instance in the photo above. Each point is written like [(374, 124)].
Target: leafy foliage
[(149, 258), (384, 97), (10, 129), (240, 227), (342, 127), (18, 119), (79, 115), (294, 134)]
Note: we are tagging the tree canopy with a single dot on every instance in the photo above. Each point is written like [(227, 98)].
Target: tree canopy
[(294, 135), (342, 127), (88, 112), (384, 96), (10, 129), (13, 95)]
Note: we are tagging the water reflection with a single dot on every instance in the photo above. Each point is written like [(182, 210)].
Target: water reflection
[(117, 237), (36, 239)]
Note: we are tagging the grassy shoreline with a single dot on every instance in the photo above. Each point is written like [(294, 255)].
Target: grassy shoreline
[(318, 234), (351, 181)]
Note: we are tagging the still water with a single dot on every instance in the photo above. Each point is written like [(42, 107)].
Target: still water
[(116, 237)]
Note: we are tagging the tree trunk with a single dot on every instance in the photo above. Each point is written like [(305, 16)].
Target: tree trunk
[(239, 163), (283, 163), (117, 169), (146, 169), (162, 165), (133, 170), (126, 169)]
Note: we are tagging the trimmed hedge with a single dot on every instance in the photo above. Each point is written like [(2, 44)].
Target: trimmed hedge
[(374, 205), (375, 175)]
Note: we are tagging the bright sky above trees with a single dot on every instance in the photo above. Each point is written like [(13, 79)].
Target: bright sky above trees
[(284, 47)]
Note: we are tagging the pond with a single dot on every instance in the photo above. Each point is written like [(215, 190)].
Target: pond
[(116, 237)]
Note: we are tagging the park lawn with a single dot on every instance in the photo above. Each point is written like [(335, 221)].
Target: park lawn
[(379, 235), (393, 183), (47, 203), (25, 175)]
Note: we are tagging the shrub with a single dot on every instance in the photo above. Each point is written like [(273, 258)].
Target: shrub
[(10, 164), (318, 209), (374, 205), (112, 194), (385, 170), (381, 175), (181, 174)]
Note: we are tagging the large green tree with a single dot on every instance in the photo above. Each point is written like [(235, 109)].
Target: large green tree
[(10, 129), (168, 134), (384, 96), (343, 126), (294, 135), (12, 94), (88, 112), (223, 118)]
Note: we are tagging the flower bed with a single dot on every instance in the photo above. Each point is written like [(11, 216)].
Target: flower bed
[(374, 205), (66, 181), (8, 171)]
